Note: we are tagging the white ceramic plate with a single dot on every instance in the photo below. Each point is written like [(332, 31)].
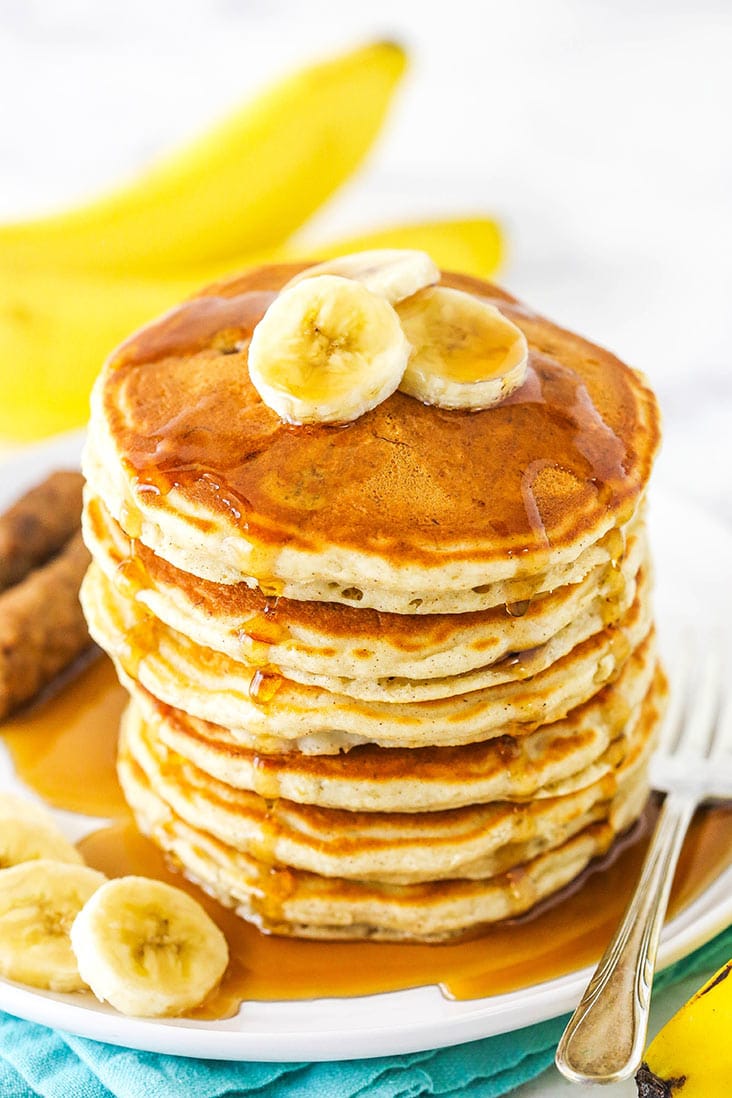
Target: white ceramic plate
[(403, 1021)]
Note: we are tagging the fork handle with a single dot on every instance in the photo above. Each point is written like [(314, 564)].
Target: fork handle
[(606, 1035)]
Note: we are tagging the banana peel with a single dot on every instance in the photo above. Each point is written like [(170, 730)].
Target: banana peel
[(57, 329), (245, 185), (691, 1057)]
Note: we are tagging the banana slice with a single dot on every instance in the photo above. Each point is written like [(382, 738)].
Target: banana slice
[(28, 832), (147, 948), (393, 273), (326, 351), (39, 900), (466, 353)]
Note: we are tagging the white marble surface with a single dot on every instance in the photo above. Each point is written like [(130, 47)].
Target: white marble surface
[(599, 134)]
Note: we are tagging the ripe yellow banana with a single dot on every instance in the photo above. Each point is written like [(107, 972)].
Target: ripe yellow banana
[(692, 1055), (55, 332), (245, 185)]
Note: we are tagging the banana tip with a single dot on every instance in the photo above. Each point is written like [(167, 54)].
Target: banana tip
[(393, 46)]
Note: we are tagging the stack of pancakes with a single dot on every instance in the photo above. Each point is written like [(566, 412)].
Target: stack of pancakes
[(394, 679)]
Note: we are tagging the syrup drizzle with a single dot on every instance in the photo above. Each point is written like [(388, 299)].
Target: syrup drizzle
[(264, 685), (224, 449), (613, 583)]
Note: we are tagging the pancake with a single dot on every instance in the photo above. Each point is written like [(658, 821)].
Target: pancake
[(294, 902), (362, 652), (262, 708), (189, 460), (556, 758), (474, 842), (392, 679)]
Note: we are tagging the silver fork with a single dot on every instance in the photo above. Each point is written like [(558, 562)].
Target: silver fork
[(606, 1035)]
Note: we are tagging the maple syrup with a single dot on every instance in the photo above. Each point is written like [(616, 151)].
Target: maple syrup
[(262, 628), (130, 576), (522, 664), (613, 583), (561, 935), (213, 439), (271, 587), (64, 746), (195, 325), (266, 777), (264, 685), (130, 519)]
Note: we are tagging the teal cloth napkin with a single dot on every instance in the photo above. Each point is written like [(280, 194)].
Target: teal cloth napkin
[(35, 1061)]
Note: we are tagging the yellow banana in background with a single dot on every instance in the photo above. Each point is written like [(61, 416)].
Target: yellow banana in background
[(56, 330), (245, 185), (691, 1057), (74, 285), (473, 246)]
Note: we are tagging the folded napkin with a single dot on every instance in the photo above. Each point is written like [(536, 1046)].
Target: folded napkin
[(35, 1060)]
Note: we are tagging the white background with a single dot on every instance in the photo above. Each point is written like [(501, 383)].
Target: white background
[(599, 133)]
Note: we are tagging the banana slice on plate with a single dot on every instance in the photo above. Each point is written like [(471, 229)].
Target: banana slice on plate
[(326, 351), (28, 832), (39, 901), (393, 273), (147, 948), (465, 352)]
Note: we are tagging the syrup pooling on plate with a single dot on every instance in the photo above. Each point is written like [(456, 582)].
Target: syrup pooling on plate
[(53, 756), (218, 444), (64, 745), (563, 935)]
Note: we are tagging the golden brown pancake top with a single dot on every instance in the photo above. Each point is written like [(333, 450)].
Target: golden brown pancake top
[(406, 481)]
